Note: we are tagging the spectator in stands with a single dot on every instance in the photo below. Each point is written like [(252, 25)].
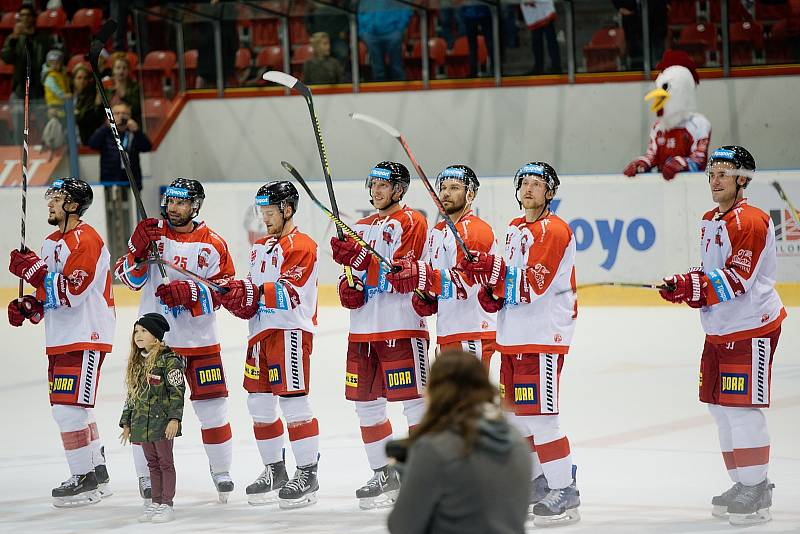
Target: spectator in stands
[(123, 88), (631, 16), (477, 21), (133, 140), (56, 91), (336, 24), (466, 470), (540, 17), (89, 112), (322, 68), (227, 14), (382, 25), (449, 17), (120, 10), (13, 53)]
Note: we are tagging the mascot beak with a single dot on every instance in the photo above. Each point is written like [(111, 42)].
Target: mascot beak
[(659, 97)]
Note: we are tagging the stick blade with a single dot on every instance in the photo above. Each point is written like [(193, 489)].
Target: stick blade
[(281, 78), (376, 122), (98, 42)]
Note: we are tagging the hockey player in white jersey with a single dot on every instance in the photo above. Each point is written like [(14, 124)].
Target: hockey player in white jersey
[(189, 307), (73, 295), (741, 313), (279, 299)]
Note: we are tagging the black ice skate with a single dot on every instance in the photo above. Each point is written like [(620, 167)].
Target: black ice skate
[(539, 490), (77, 490), (101, 474), (302, 489), (224, 484), (265, 488), (751, 505), (721, 502), (145, 491), (381, 490)]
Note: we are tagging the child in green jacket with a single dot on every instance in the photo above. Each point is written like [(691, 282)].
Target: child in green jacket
[(153, 409)]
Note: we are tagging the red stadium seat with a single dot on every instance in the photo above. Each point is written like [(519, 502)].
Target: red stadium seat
[(297, 31), (85, 22), (437, 52), (777, 47), (605, 50), (154, 113), (6, 80), (244, 58), (414, 25), (190, 64), (682, 12), (700, 42), (300, 55), (7, 22), (736, 12), (52, 20), (771, 11), (158, 70), (458, 57), (10, 6), (270, 57), (745, 39), (264, 32)]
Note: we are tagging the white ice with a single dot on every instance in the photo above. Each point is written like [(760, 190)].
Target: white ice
[(646, 449)]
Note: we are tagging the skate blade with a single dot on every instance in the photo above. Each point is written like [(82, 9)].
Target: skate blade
[(261, 499), (302, 502), (570, 516), (385, 500), (146, 502), (761, 516), (76, 501), (720, 512), (223, 496), (105, 490)]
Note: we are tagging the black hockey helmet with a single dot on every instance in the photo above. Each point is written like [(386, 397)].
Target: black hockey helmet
[(462, 173), (539, 169), (74, 190), (393, 172), (739, 156), (184, 188), (278, 193)]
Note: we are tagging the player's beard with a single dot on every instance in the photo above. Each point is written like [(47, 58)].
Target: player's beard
[(456, 205), (177, 221)]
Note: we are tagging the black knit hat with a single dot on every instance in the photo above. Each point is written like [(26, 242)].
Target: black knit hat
[(155, 324)]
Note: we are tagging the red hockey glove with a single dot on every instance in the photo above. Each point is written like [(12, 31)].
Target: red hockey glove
[(23, 308), (241, 299), (487, 269), (688, 288), (28, 266), (488, 302), (425, 308), (635, 167), (411, 276), (673, 166), (349, 253), (179, 293), (147, 231), (351, 298)]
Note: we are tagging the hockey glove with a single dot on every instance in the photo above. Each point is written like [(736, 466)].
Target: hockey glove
[(487, 269), (688, 288), (349, 253), (488, 302), (411, 276), (425, 308), (179, 293), (28, 266), (147, 231), (673, 166), (635, 167), (23, 308), (351, 298), (241, 299)]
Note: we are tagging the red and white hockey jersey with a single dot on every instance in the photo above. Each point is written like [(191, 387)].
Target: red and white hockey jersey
[(192, 331), (386, 314), (688, 140), (541, 304), (77, 295), (738, 253), (460, 316), (286, 270)]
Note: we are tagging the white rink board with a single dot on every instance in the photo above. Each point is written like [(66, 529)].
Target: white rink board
[(626, 229)]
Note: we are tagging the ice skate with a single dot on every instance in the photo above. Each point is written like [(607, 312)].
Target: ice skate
[(147, 515), (101, 474), (721, 502), (163, 514), (265, 488), (224, 485), (145, 491), (751, 505), (381, 490), (77, 490), (539, 490), (301, 490), (559, 507)]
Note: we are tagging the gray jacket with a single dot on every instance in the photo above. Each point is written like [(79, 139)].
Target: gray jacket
[(486, 492)]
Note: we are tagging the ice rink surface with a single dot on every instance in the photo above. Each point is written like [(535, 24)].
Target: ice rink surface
[(647, 452)]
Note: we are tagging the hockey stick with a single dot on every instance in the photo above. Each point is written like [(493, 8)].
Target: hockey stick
[(186, 272), (788, 202), (397, 135), (96, 46), (291, 82), (615, 284), (25, 154)]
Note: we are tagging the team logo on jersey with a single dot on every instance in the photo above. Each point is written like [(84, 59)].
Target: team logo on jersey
[(743, 259), (387, 235), (203, 258), (94, 336), (557, 338), (77, 278), (57, 254), (64, 384), (733, 383), (351, 380), (539, 272), (484, 325), (209, 376), (274, 374), (400, 378), (525, 394), (765, 318)]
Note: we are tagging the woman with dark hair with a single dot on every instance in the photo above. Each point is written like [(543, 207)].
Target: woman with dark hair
[(467, 469), (89, 113)]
